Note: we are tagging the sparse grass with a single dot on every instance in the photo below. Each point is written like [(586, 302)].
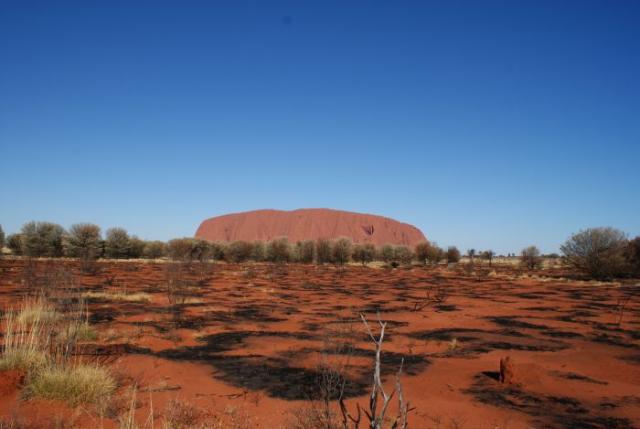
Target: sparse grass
[(118, 296), (75, 384), (26, 340), (36, 311), (81, 331)]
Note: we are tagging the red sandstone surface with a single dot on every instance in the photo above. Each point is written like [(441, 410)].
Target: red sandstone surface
[(309, 224)]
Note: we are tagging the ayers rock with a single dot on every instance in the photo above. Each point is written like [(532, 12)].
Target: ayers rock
[(309, 224)]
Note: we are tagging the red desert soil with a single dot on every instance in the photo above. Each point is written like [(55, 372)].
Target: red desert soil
[(309, 224), (249, 339)]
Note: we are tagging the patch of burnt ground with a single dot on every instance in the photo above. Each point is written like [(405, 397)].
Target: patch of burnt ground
[(546, 410)]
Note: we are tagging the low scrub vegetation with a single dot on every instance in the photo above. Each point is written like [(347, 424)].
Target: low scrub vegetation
[(75, 383)]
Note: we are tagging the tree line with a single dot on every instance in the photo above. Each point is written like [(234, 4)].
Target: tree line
[(599, 253)]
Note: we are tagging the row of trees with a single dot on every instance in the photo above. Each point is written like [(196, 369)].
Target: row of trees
[(598, 252), (45, 239), (85, 241)]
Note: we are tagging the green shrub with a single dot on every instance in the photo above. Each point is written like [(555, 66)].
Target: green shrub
[(363, 253), (42, 239), (387, 253), (323, 251), (453, 255), (117, 244), (83, 241), (238, 251), (341, 251), (402, 255), (154, 249), (597, 252), (14, 243), (279, 250), (530, 258)]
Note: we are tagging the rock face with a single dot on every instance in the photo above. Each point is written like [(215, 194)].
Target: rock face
[(309, 224)]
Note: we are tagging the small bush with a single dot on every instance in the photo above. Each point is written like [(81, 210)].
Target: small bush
[(258, 251), (632, 255), (74, 384), (14, 243), (42, 239), (83, 241), (387, 253), (341, 251), (179, 249), (364, 253), (530, 258), (453, 255), (117, 244), (1, 239), (279, 250), (323, 251), (488, 255), (136, 248), (422, 252), (154, 249), (597, 252), (306, 251), (238, 251), (402, 255)]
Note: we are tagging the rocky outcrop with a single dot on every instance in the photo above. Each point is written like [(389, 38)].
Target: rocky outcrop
[(309, 224)]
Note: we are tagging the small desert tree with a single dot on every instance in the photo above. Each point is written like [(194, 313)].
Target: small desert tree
[(488, 255), (239, 251), (258, 251), (116, 244), (471, 253), (434, 254), (530, 258), (597, 252), (422, 252), (387, 253), (403, 255), (179, 249), (279, 250), (363, 253), (14, 243), (323, 251), (306, 251), (136, 247), (42, 239), (341, 251), (154, 249), (453, 255), (1, 239), (83, 241), (632, 255)]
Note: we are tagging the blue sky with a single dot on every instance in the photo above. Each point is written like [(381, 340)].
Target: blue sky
[(486, 124)]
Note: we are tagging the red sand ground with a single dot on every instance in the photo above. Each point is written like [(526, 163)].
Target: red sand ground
[(251, 337), (309, 224)]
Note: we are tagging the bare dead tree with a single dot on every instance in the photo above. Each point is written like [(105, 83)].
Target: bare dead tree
[(376, 415)]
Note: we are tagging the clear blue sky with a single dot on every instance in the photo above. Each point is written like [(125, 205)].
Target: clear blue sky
[(486, 124)]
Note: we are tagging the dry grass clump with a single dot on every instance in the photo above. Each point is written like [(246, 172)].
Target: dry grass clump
[(40, 340), (37, 311), (118, 296), (75, 384), (26, 338)]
